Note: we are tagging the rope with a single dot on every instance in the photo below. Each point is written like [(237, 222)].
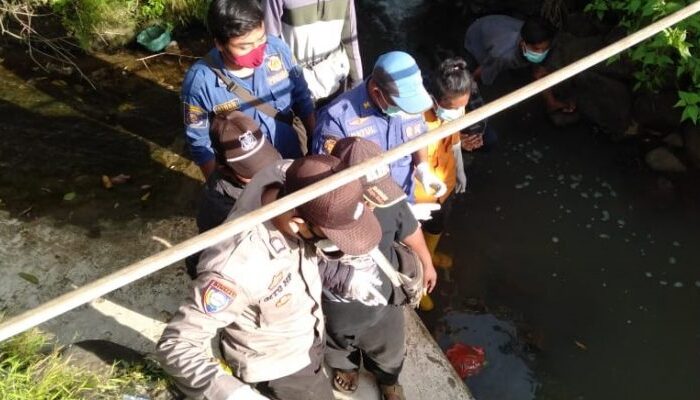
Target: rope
[(133, 272)]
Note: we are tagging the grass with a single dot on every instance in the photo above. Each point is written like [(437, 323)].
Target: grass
[(32, 368)]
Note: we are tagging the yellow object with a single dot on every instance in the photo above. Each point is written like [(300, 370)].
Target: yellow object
[(440, 260), (426, 303), (441, 161)]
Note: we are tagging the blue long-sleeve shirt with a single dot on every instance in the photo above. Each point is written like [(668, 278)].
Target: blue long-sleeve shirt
[(278, 81)]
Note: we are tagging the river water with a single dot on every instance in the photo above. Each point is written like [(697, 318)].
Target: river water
[(575, 268)]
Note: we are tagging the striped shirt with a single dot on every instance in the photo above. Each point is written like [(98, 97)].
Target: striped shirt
[(313, 29)]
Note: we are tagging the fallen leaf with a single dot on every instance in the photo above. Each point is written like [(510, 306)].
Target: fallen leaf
[(69, 196), (106, 182), (580, 345), (145, 187), (119, 179), (146, 196), (116, 204), (29, 278)]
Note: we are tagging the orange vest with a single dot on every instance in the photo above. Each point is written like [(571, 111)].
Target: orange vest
[(441, 161)]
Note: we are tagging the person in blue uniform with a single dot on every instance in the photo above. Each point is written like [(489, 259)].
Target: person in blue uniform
[(388, 110), (261, 65)]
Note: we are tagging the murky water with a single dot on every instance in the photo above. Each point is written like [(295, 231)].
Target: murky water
[(575, 269)]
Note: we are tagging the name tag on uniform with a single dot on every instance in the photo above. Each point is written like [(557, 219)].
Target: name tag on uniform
[(227, 107), (364, 132)]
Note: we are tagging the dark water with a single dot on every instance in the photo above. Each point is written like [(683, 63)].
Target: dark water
[(575, 267)]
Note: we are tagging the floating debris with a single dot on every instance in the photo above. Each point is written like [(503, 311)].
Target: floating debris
[(697, 284), (529, 177), (678, 285), (621, 222), (574, 185), (554, 274), (606, 216), (663, 283), (580, 345), (676, 244), (555, 239), (522, 185), (69, 196), (648, 274), (597, 195), (672, 260), (604, 236), (584, 195)]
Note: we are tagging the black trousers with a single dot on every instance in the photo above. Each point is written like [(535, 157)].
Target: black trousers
[(309, 383), (375, 336)]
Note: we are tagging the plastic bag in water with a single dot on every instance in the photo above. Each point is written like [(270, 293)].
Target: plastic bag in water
[(466, 360)]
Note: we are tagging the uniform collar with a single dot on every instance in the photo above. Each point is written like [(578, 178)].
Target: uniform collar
[(367, 106)]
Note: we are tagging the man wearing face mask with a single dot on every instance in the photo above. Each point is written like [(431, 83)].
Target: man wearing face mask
[(496, 43), (247, 71), (388, 110), (262, 290)]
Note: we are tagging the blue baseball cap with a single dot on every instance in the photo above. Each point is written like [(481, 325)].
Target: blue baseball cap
[(398, 75)]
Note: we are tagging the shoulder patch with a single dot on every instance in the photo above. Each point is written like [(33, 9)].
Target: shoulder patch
[(195, 116), (216, 297)]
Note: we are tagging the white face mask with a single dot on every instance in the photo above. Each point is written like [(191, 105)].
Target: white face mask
[(448, 114)]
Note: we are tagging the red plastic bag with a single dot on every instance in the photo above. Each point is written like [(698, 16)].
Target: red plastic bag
[(466, 360)]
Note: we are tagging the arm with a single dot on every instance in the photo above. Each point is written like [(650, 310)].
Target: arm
[(328, 131), (351, 45), (551, 101), (417, 243), (196, 119), (182, 349), (273, 16)]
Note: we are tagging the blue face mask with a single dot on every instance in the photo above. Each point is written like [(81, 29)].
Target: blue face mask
[(447, 114), (534, 56)]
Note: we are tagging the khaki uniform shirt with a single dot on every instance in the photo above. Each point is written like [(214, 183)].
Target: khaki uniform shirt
[(263, 290)]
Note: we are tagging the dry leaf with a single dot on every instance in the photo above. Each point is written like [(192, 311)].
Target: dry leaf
[(29, 278), (580, 345), (119, 179), (146, 196), (106, 182), (145, 187), (69, 196)]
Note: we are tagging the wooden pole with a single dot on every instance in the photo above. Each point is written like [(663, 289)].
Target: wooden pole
[(102, 286)]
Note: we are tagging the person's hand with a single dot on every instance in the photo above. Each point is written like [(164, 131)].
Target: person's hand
[(423, 211), (563, 106), (471, 141), (430, 182), (429, 278), (246, 392)]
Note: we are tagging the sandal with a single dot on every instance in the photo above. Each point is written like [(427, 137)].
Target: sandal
[(345, 380), (392, 392)]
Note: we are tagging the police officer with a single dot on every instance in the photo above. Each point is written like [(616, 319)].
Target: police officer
[(387, 109), (262, 289), (247, 71), (241, 152)]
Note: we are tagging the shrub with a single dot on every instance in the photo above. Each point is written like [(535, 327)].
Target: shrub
[(670, 57)]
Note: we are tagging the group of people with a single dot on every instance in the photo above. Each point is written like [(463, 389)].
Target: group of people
[(278, 104)]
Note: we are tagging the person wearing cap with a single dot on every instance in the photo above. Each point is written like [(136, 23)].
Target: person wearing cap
[(374, 333), (262, 289), (497, 43), (241, 151), (247, 71), (387, 109), (322, 35)]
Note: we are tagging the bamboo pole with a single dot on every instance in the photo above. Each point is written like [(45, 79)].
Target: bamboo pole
[(102, 286)]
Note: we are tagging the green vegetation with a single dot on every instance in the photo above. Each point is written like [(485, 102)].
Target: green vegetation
[(669, 59), (31, 368), (113, 23)]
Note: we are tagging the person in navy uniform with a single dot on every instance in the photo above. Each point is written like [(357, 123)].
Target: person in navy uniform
[(388, 110), (262, 65)]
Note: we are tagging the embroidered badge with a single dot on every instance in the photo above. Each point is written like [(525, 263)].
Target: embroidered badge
[(216, 297), (283, 300), (329, 143), (274, 63), (277, 244), (195, 116), (248, 141), (275, 281), (230, 105), (366, 105)]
